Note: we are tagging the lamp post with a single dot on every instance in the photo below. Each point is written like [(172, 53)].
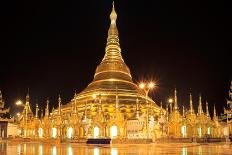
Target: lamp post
[(20, 103), (146, 87)]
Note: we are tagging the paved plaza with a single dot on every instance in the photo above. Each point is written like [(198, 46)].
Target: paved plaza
[(31, 148)]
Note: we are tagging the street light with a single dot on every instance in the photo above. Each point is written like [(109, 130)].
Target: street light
[(19, 103), (147, 87)]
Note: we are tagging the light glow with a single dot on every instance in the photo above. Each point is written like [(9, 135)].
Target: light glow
[(141, 85), (94, 96), (151, 85), (54, 132), (113, 131), (70, 132), (183, 131), (96, 132), (19, 102), (40, 133), (170, 100)]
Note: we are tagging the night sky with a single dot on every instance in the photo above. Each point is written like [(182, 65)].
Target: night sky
[(54, 47)]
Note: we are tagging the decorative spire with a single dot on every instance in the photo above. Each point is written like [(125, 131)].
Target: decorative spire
[(214, 111), (200, 110), (113, 50), (183, 111), (42, 114), (47, 108), (59, 105), (36, 110), (161, 108), (137, 107), (191, 104), (27, 105), (167, 112), (27, 97), (75, 103), (1, 100), (85, 112), (175, 100), (207, 109), (0, 96)]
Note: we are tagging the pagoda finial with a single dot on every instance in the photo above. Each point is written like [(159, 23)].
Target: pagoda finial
[(191, 103), (183, 111), (36, 110), (75, 103), (59, 105), (27, 97), (47, 108), (200, 110), (207, 109), (175, 100), (1, 97), (214, 111)]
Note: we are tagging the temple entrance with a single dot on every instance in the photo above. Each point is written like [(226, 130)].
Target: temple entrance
[(96, 132), (40, 133), (54, 132), (113, 131), (183, 131), (70, 132)]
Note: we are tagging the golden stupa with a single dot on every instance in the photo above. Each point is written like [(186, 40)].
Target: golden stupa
[(112, 79)]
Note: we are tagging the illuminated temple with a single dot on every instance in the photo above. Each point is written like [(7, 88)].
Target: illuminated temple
[(113, 106)]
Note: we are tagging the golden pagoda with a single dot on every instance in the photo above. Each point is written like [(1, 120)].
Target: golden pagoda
[(112, 77)]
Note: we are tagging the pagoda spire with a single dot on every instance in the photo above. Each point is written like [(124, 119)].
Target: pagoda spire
[(161, 108), (75, 103), (27, 105), (113, 50), (207, 109), (175, 100), (214, 111), (0, 96), (200, 110), (36, 110), (59, 105), (215, 118), (191, 104), (1, 100), (47, 109), (183, 111)]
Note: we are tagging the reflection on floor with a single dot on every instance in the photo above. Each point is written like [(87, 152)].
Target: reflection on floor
[(13, 148)]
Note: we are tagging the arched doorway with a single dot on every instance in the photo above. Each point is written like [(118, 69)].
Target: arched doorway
[(96, 132), (40, 133), (70, 132), (54, 132), (113, 131), (184, 131)]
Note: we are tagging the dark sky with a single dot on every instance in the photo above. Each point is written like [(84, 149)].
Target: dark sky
[(53, 47)]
